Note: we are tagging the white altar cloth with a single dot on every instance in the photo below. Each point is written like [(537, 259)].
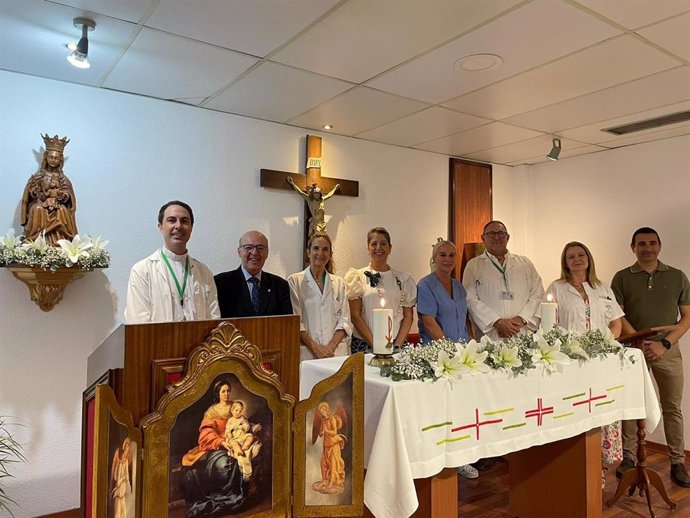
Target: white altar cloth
[(415, 429)]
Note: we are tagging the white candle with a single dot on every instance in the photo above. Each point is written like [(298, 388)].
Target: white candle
[(382, 330), (549, 311)]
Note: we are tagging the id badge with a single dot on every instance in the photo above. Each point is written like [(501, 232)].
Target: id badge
[(507, 295)]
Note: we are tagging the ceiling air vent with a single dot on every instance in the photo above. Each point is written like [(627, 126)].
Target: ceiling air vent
[(657, 122)]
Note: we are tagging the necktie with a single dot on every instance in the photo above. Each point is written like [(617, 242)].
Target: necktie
[(255, 294)]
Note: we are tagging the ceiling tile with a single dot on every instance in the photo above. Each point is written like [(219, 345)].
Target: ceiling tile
[(593, 133), (673, 35), (660, 89), (521, 150), (565, 153), (478, 139), (357, 110), (256, 27), (615, 61), (363, 38), (129, 10), (162, 65), (635, 13), (33, 34), (521, 43), (277, 92), (423, 126)]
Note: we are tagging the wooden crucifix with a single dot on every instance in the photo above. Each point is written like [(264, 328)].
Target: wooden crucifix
[(314, 188)]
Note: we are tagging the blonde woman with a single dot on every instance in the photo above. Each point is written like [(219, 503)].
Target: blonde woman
[(585, 303)]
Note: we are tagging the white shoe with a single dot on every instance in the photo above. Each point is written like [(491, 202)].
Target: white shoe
[(468, 471)]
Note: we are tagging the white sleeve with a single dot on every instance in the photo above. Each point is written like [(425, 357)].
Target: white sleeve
[(138, 305), (481, 314)]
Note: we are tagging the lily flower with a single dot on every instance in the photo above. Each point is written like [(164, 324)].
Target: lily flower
[(508, 357), (97, 243), (39, 244), (549, 356), (471, 360), (10, 242), (447, 366), (615, 345), (574, 347), (75, 249)]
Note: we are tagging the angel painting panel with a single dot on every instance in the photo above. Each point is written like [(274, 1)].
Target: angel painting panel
[(122, 452), (329, 449), (331, 427)]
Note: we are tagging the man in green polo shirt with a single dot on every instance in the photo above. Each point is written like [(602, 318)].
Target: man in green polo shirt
[(653, 294)]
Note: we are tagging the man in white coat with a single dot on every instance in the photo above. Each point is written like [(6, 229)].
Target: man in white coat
[(169, 285), (504, 290)]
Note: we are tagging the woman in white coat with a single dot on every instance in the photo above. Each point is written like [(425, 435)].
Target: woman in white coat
[(585, 303), (319, 297)]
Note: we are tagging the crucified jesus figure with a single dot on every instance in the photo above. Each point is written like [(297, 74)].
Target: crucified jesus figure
[(316, 201)]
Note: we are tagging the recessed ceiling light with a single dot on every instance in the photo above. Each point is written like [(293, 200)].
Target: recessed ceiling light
[(327, 126), (478, 63)]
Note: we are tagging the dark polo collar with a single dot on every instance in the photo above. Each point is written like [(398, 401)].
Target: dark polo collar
[(635, 268)]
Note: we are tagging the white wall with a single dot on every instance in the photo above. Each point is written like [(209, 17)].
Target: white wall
[(600, 200), (127, 156)]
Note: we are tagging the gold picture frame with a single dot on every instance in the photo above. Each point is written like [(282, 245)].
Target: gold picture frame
[(328, 431), (117, 454), (184, 437)]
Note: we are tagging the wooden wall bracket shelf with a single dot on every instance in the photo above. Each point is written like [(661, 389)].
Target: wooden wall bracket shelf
[(46, 287)]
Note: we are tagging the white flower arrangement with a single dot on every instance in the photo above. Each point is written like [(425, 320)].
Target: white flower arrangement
[(517, 355), (85, 253)]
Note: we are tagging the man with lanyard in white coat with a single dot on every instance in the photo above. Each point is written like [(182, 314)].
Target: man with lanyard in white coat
[(169, 285), (504, 290)]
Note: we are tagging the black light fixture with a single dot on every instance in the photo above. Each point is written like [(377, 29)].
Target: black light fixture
[(80, 55), (555, 150)]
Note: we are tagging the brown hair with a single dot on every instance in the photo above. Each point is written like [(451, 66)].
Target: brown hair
[(378, 230), (217, 386), (591, 270), (330, 265)]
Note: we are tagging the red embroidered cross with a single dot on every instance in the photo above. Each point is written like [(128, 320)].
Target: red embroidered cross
[(477, 423), (589, 400), (539, 412)]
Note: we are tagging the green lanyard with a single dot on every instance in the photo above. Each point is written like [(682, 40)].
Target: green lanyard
[(180, 289), (502, 270)]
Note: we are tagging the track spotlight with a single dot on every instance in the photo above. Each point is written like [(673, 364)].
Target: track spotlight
[(80, 55), (555, 150)]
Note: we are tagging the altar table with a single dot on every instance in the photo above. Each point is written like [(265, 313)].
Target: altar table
[(415, 429)]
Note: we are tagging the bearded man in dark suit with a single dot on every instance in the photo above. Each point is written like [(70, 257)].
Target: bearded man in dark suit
[(248, 291)]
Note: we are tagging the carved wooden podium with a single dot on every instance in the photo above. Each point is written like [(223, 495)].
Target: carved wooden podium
[(139, 361)]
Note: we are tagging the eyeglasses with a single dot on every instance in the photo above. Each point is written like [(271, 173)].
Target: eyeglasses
[(493, 234), (260, 249)]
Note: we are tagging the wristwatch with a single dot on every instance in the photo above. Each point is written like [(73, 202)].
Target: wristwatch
[(665, 343)]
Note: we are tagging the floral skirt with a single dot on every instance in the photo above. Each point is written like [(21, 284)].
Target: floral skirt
[(611, 443)]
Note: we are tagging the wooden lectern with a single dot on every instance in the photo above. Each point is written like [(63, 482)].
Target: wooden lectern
[(138, 361)]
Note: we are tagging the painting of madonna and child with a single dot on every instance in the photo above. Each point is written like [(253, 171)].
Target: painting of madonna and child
[(220, 454)]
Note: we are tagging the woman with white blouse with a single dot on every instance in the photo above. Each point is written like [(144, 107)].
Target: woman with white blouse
[(319, 297), (586, 303), (368, 286)]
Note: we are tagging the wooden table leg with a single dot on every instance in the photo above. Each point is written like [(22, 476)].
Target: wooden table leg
[(641, 477), (560, 479)]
